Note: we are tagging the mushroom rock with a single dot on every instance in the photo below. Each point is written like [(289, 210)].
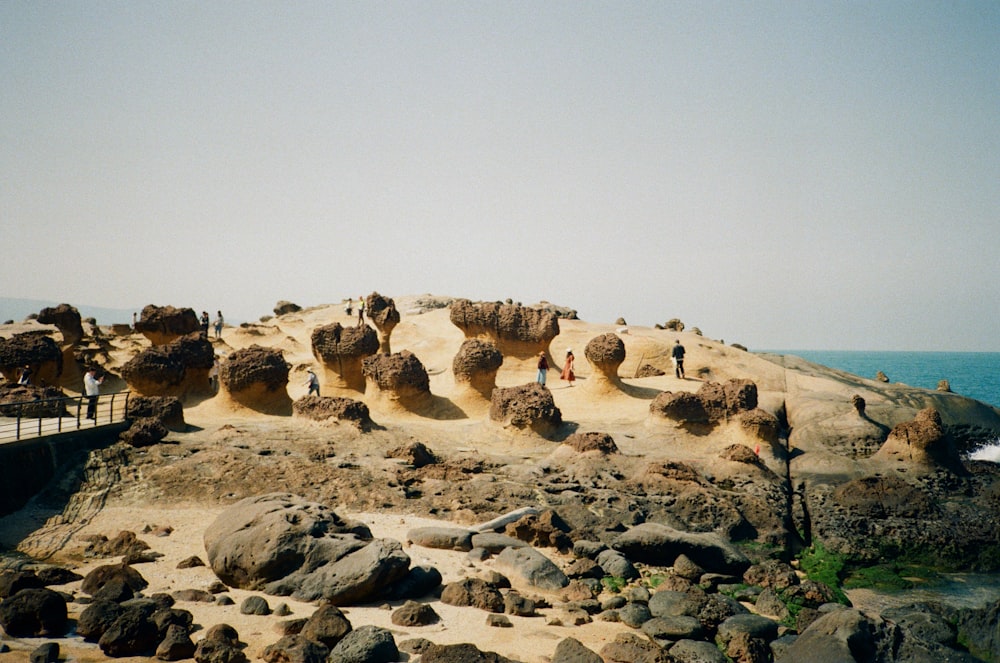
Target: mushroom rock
[(476, 364), (605, 353), (34, 349), (383, 314), (922, 443), (722, 401), (67, 320), (179, 368), (526, 407), (399, 378), (164, 324), (518, 331), (283, 307), (714, 404), (257, 378), (341, 351)]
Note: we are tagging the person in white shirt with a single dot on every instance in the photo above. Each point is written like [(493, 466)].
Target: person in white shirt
[(92, 388)]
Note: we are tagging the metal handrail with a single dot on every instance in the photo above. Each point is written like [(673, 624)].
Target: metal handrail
[(50, 416)]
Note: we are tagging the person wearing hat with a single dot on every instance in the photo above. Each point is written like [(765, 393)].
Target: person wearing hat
[(543, 368), (567, 371)]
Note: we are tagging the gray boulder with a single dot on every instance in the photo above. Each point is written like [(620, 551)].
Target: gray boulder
[(696, 651), (654, 543), (33, 613), (296, 649), (844, 635), (366, 644), (531, 567), (443, 538), (284, 545), (616, 565)]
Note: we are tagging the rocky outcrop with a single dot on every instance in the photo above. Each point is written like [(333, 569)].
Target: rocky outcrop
[(383, 314), (67, 320), (341, 351), (476, 365), (516, 330), (144, 432), (654, 543), (606, 354), (398, 378), (326, 408), (32, 613), (527, 407), (35, 350), (164, 324), (593, 442), (920, 444), (257, 378), (178, 369), (714, 404), (281, 544), (284, 307), (168, 410)]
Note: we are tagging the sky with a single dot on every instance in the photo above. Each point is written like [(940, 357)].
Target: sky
[(783, 175)]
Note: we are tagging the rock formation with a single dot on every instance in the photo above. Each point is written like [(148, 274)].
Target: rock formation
[(398, 378), (383, 314), (33, 349), (179, 369), (164, 324), (476, 364), (921, 443), (67, 320), (605, 353), (517, 331), (283, 545), (168, 410), (31, 401), (284, 307), (527, 407), (341, 351), (325, 408), (257, 378)]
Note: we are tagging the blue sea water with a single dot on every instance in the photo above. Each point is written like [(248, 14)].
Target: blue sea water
[(972, 374)]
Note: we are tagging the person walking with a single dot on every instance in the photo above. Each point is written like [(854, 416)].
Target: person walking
[(677, 354), (313, 383), (25, 377), (567, 371), (219, 322), (543, 368), (92, 388), (361, 311)]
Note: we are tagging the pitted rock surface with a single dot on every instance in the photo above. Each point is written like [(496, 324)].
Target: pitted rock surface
[(66, 319), (528, 406), (35, 349), (255, 365), (322, 408), (517, 330), (163, 324)]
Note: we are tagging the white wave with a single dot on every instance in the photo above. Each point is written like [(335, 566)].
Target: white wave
[(990, 452)]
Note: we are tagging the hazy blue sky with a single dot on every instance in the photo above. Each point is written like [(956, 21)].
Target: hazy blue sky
[(782, 175)]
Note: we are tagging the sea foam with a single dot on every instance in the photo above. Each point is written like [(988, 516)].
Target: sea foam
[(990, 452)]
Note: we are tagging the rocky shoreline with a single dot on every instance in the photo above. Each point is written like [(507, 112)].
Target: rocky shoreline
[(692, 520)]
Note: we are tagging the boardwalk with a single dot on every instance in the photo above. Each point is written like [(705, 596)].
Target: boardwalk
[(34, 419)]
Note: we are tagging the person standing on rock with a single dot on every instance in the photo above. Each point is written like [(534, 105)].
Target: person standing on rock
[(92, 388), (361, 311), (677, 354), (219, 322), (567, 371), (543, 368), (204, 324), (313, 383)]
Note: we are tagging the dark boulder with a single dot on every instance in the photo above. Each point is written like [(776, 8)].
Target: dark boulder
[(526, 407), (32, 613), (325, 408), (516, 330), (341, 351), (163, 324)]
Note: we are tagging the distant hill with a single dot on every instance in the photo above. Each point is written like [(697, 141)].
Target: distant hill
[(19, 309)]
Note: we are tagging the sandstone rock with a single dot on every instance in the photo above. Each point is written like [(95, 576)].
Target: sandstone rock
[(102, 575), (696, 651), (443, 538), (216, 651), (544, 530), (419, 582), (415, 454), (844, 635), (617, 565), (412, 613), (921, 443), (32, 349), (324, 408), (47, 652), (460, 653), (606, 353), (649, 371), (601, 443), (167, 409), (476, 365), (257, 378), (673, 628), (327, 625), (66, 319), (527, 407), (383, 314), (163, 324), (341, 351), (179, 368), (654, 543), (756, 626), (255, 605), (516, 330), (635, 614), (144, 432), (27, 400), (571, 650), (284, 545), (944, 385), (628, 648), (771, 574), (284, 307), (399, 378)]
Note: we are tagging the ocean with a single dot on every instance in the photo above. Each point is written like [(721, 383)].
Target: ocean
[(972, 374)]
